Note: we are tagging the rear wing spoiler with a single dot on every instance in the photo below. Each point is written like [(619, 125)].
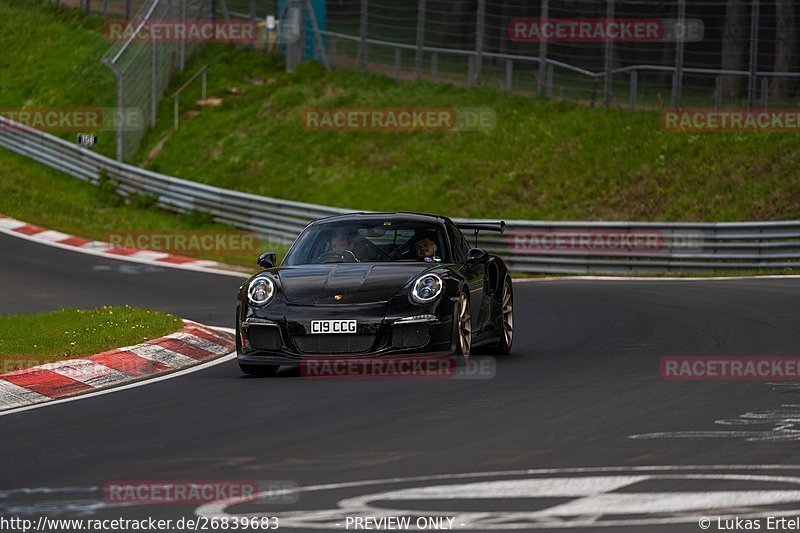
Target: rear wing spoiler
[(477, 227)]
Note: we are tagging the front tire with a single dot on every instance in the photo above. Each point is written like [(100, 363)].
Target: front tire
[(506, 318), (463, 328)]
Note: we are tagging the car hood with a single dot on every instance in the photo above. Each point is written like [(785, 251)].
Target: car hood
[(354, 282)]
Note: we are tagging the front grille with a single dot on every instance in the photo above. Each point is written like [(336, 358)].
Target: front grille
[(264, 337), (332, 344), (410, 335)]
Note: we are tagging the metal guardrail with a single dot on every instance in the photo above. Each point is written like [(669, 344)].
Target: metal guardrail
[(528, 245)]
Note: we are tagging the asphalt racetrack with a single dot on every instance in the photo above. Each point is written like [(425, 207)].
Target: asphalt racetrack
[(576, 429)]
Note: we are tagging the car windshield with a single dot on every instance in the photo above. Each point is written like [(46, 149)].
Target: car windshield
[(369, 241)]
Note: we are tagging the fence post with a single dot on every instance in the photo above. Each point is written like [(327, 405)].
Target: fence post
[(120, 133), (223, 7), (418, 59), (480, 31), (434, 66), (319, 43), (718, 93), (609, 59), (677, 79), (543, 51), (105, 9), (127, 9), (293, 32), (182, 49), (764, 92), (754, 23), (251, 16), (634, 89), (153, 82), (362, 46), (509, 75)]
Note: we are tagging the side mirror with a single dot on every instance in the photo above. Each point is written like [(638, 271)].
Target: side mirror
[(477, 255), (267, 260)]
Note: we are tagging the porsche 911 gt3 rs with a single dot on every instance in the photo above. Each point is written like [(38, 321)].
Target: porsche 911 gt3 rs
[(372, 285)]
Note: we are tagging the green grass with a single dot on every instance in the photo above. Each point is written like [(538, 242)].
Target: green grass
[(543, 160), (71, 333), (51, 59), (38, 195)]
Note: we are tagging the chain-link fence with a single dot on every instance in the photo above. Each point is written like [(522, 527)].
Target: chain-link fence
[(114, 8), (144, 68), (225, 9), (723, 53), (703, 53)]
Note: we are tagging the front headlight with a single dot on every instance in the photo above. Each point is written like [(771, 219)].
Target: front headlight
[(260, 291), (426, 288)]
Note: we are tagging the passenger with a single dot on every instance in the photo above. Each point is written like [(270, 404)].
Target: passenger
[(426, 250)]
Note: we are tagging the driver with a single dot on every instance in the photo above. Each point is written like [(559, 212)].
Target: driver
[(341, 240), (426, 250), (345, 240)]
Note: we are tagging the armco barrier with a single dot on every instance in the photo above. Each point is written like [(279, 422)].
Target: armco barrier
[(528, 246)]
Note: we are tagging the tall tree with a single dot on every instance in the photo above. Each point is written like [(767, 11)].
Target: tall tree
[(785, 42), (460, 26), (733, 45)]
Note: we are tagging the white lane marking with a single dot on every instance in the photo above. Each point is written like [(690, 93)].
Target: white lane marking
[(196, 368), (653, 278), (12, 395), (624, 508), (785, 424), (669, 502), (196, 266), (87, 371), (520, 488)]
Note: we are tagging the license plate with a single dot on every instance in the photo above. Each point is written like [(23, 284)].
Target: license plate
[(333, 326)]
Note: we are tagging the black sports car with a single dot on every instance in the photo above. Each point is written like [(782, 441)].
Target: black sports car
[(373, 285)]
